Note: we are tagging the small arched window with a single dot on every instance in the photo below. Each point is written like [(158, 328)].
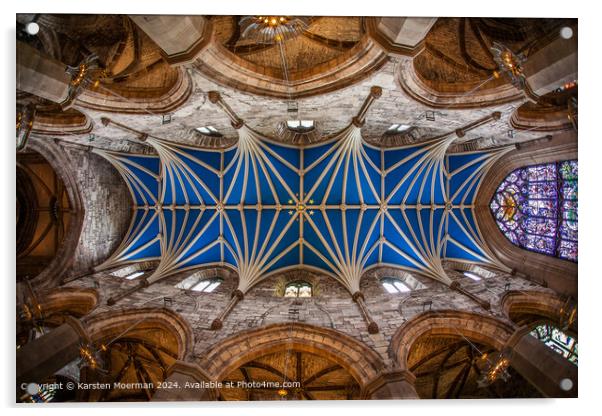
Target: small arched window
[(536, 208), (134, 275), (199, 285), (557, 340), (298, 289), (209, 131), (398, 129), (129, 272), (300, 126), (207, 285), (393, 285), (471, 275)]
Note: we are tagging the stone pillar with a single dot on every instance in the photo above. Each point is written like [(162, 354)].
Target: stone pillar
[(181, 38), (236, 297), (48, 354), (199, 385), (544, 368), (358, 297), (41, 75), (406, 31), (400, 35), (553, 65), (118, 296), (393, 385), (375, 94), (484, 303), (216, 98)]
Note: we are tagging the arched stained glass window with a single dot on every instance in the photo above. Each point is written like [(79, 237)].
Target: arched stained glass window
[(45, 394), (536, 208), (557, 340)]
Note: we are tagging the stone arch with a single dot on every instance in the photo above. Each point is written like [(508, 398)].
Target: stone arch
[(359, 360), (538, 303), (224, 67), (63, 259), (227, 274), (413, 84), (558, 274), (414, 281), (52, 123), (479, 269), (480, 328), (174, 97), (314, 276), (53, 308), (73, 301), (142, 324), (124, 270)]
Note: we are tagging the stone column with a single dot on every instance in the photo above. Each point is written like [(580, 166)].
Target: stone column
[(199, 386), (393, 385), (375, 94), (358, 297), (407, 31), (216, 98), (41, 75), (400, 35), (544, 368), (118, 296), (553, 65), (484, 303), (236, 297), (51, 352), (181, 38)]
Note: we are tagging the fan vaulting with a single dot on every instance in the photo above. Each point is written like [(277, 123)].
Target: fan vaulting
[(340, 207)]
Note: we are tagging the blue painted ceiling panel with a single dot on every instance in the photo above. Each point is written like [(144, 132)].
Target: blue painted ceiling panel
[(252, 173)]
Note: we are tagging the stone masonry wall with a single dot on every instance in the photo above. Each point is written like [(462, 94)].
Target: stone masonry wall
[(107, 205), (330, 307)]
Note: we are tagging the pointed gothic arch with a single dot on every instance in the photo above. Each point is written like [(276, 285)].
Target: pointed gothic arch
[(560, 275)]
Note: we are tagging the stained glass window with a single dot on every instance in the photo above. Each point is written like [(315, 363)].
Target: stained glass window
[(557, 340), (536, 208), (45, 394), (298, 289)]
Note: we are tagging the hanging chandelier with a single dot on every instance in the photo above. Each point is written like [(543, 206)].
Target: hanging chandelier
[(272, 29), (493, 368), (509, 64)]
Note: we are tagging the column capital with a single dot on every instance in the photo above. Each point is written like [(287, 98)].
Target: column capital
[(357, 295), (516, 337), (394, 384), (78, 327), (190, 369), (180, 373), (238, 294)]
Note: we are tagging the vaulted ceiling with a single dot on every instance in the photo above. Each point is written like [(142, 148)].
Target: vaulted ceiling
[(340, 207), (319, 378), (451, 69)]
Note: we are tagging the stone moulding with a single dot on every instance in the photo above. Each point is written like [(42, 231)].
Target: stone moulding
[(222, 66), (412, 84)]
